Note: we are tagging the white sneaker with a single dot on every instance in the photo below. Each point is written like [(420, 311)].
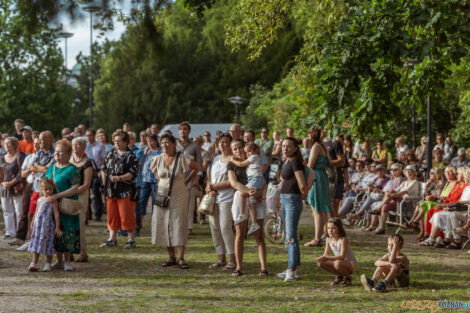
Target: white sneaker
[(253, 229), (47, 268), (283, 274), (24, 247), (67, 267), (290, 275), (16, 242)]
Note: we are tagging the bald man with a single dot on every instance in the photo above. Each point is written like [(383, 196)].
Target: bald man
[(236, 131)]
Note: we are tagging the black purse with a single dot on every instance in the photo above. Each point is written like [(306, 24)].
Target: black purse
[(457, 207), (162, 200)]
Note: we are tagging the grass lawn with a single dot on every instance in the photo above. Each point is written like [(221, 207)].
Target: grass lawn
[(119, 280)]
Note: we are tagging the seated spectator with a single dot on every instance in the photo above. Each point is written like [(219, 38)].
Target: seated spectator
[(421, 152), (360, 183), (432, 192), (461, 159), (393, 266), (348, 148), (439, 220), (352, 168), (453, 197), (408, 189), (364, 152), (438, 158), (380, 155), (376, 192), (410, 158), (449, 149)]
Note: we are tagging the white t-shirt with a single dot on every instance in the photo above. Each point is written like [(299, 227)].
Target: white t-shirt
[(28, 161), (254, 169), (401, 150), (465, 194), (411, 188), (219, 174), (207, 146)]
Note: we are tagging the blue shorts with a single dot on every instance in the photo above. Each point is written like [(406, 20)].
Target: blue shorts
[(256, 182)]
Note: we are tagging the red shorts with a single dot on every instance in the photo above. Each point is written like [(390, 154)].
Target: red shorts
[(120, 214), (33, 202)]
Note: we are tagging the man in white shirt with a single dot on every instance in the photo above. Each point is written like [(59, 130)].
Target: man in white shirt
[(96, 152), (461, 159)]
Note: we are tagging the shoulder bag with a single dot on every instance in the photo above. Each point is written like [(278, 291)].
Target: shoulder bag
[(206, 206), (162, 200), (18, 188), (66, 206)]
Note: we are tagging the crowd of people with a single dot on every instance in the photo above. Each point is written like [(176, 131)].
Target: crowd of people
[(51, 189)]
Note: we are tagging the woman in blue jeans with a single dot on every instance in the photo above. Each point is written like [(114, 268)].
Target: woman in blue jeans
[(293, 190)]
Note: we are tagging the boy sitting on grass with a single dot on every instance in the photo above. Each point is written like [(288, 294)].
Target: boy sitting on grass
[(393, 266)]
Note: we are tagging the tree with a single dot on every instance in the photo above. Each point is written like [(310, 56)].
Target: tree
[(32, 76)]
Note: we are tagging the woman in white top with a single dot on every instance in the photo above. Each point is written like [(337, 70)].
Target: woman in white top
[(343, 264), (221, 220), (408, 189)]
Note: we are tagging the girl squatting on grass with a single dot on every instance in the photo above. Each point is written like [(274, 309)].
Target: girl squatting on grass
[(46, 222), (394, 266), (343, 264)]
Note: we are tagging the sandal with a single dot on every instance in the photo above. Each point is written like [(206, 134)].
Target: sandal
[(405, 226), (171, 261), (427, 243), (454, 245), (346, 282), (182, 264), (337, 281), (314, 243), (237, 273), (217, 264), (82, 259), (263, 273), (229, 267), (379, 231)]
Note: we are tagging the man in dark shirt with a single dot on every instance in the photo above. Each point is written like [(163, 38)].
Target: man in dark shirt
[(19, 124), (337, 159)]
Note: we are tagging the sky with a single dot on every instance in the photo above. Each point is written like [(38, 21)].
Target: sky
[(80, 41)]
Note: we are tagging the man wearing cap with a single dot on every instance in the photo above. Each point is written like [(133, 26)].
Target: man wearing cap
[(27, 145), (461, 159), (193, 150)]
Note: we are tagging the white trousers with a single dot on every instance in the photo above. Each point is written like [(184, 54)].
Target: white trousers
[(221, 228), (10, 206), (455, 220)]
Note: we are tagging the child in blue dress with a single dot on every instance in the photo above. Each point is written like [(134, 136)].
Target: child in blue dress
[(46, 222)]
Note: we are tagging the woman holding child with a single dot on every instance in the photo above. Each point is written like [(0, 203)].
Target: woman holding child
[(238, 180)]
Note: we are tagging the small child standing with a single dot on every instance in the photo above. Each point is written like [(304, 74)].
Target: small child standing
[(43, 227), (255, 181), (343, 264), (394, 266)]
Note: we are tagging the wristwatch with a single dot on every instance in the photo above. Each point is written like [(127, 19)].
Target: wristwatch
[(211, 187)]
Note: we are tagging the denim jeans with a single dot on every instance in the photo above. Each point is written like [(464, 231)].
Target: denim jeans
[(291, 211), (146, 189)]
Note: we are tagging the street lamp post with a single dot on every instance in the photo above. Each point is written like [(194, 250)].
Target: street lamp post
[(65, 35), (411, 65), (91, 10), (236, 100)]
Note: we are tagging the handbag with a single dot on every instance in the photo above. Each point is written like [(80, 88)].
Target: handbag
[(18, 188), (162, 200), (67, 206), (457, 207), (206, 206)]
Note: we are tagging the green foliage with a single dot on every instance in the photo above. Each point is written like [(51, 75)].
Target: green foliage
[(32, 84), (190, 78)]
